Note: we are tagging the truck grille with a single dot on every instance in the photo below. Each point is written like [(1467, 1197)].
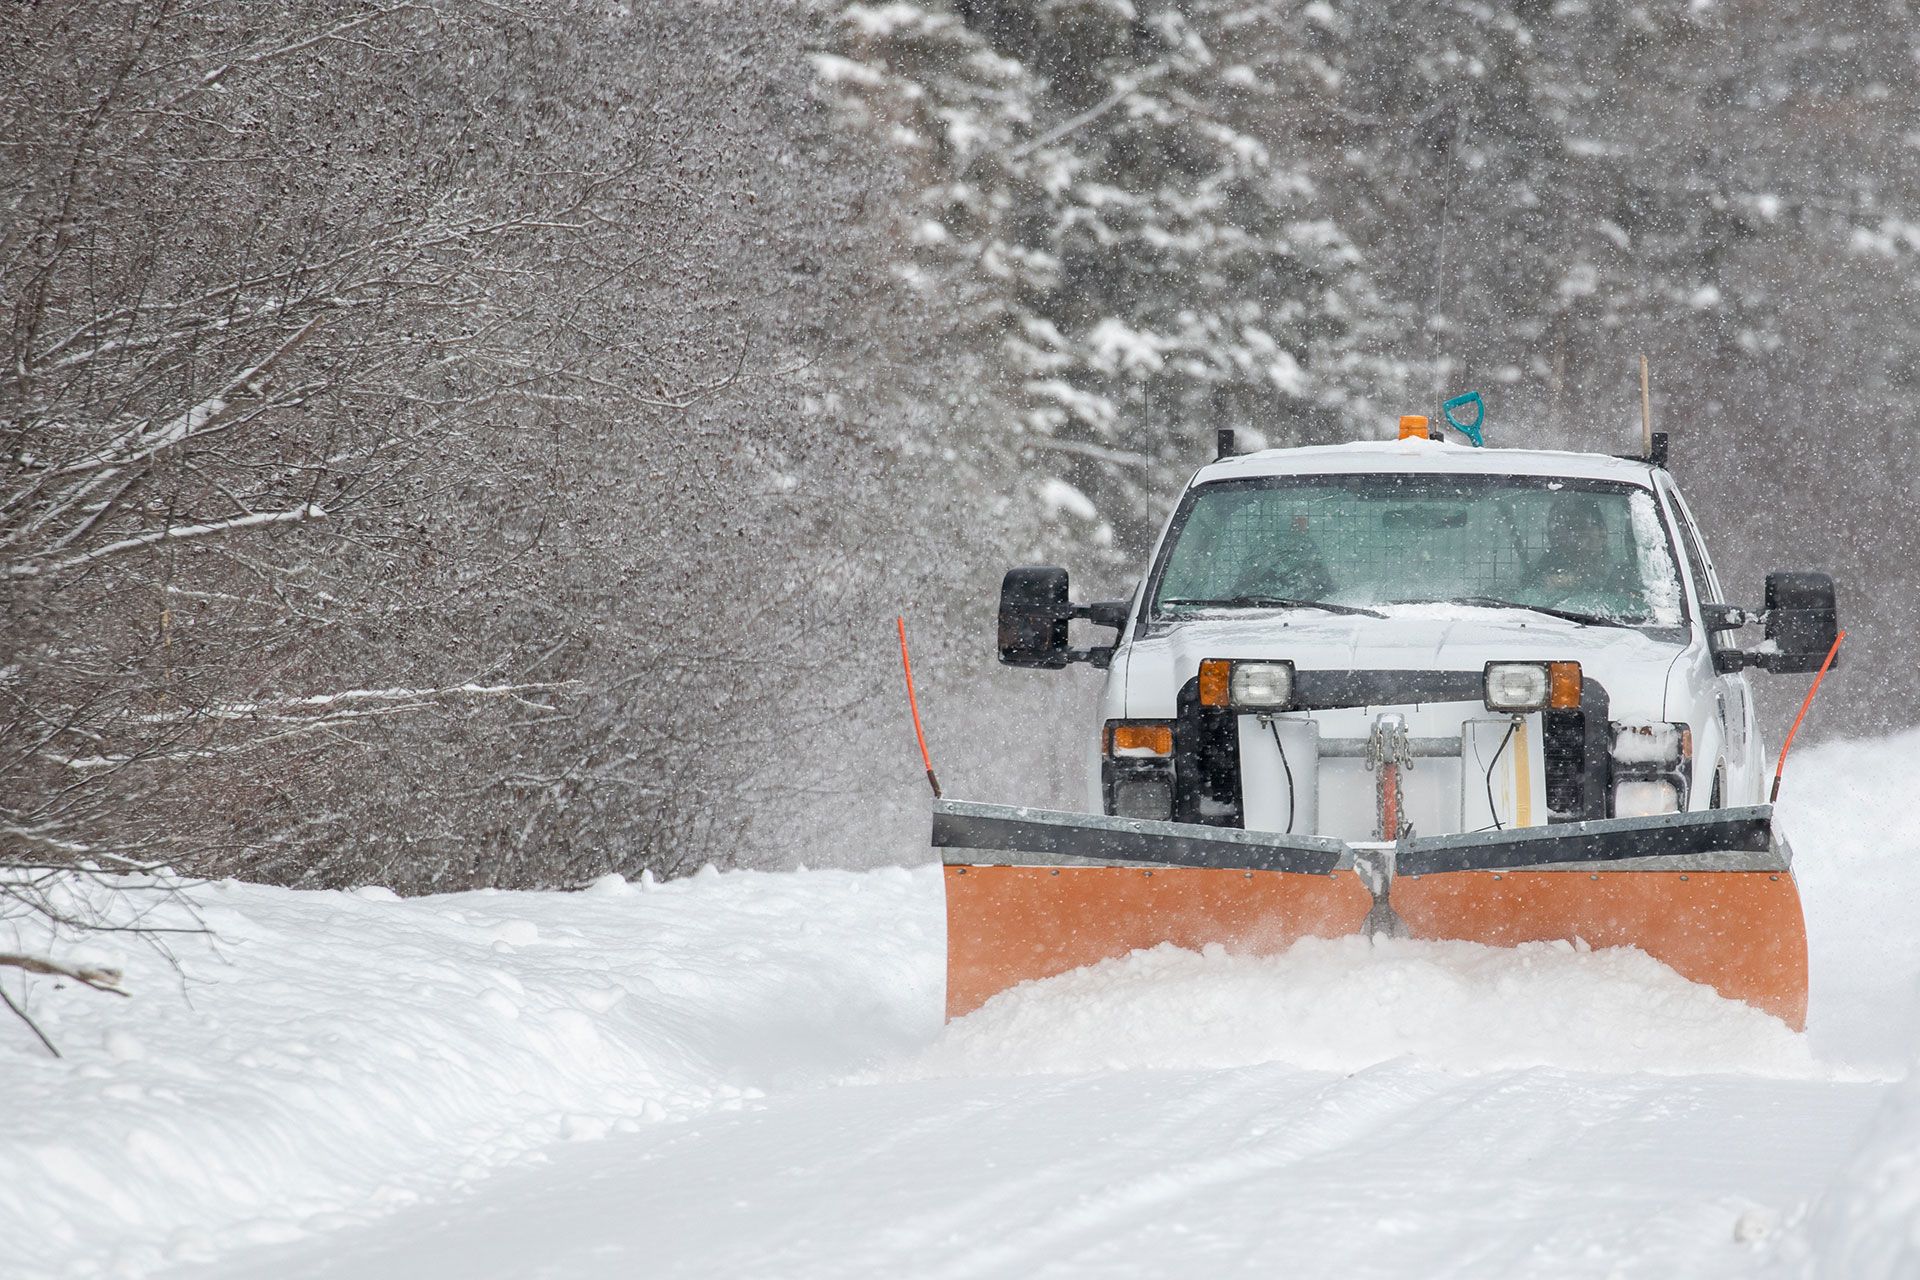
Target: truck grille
[(1564, 749)]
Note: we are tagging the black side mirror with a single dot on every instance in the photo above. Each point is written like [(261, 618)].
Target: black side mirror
[(1034, 613), (1802, 622)]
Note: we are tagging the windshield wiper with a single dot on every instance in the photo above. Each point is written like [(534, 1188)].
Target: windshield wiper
[(1274, 602), (1571, 615)]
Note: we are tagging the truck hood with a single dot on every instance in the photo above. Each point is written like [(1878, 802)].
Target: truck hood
[(1632, 664)]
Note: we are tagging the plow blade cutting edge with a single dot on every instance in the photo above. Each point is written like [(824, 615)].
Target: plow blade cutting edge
[(1709, 894)]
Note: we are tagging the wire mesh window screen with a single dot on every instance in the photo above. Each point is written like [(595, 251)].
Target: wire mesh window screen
[(1384, 540)]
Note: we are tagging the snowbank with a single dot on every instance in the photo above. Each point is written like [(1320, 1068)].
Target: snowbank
[(335, 1055), (1867, 1225), (1348, 1003), (1847, 805)]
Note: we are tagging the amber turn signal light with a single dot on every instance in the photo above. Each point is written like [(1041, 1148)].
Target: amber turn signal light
[(1563, 685), (1216, 680), (1135, 738)]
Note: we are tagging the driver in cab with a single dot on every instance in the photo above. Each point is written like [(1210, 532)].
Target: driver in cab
[(1581, 567)]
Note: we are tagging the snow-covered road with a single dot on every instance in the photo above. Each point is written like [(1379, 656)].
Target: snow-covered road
[(755, 1081), (1393, 1170)]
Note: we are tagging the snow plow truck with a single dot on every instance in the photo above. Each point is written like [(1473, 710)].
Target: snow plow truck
[(1413, 688)]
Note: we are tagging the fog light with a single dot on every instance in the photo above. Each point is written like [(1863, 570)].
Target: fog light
[(1143, 798), (1516, 686), (1262, 686), (1645, 799)]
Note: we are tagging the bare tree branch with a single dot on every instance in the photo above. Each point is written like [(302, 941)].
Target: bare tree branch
[(100, 979), (32, 1026), (217, 528)]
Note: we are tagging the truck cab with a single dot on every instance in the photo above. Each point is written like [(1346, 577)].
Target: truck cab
[(1385, 639)]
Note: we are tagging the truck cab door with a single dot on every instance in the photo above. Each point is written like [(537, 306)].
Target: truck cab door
[(1732, 695)]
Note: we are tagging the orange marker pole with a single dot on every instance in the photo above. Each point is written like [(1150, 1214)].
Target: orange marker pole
[(913, 705), (1807, 702)]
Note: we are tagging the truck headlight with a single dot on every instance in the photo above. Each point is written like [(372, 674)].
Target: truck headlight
[(1652, 764), (1261, 686), (1645, 798), (1246, 686), (1516, 686), (1137, 773), (1532, 686)]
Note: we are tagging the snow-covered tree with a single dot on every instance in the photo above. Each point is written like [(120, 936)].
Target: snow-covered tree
[(448, 447), (1101, 194)]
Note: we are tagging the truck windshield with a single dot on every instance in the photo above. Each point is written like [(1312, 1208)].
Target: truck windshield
[(1580, 547)]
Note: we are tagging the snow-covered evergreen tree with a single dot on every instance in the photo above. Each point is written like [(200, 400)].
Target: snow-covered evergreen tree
[(1151, 263)]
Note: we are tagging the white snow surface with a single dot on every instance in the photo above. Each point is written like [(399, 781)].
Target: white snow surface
[(1344, 1004), (337, 1055), (1868, 1222), (747, 1074)]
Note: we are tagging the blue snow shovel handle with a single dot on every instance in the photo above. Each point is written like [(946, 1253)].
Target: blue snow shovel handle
[(1471, 430)]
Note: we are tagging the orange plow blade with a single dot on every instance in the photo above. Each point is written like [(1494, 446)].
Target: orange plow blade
[(1739, 932), (1010, 924), (1090, 887), (1711, 895)]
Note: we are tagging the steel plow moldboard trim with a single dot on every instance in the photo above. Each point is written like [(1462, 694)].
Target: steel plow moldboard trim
[(1677, 840), (1098, 838), (1713, 840)]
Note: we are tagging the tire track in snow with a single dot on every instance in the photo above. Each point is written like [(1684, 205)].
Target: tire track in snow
[(1396, 1171), (1337, 1115)]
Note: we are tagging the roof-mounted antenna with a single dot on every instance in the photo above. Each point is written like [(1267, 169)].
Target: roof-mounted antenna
[(1653, 444), (1646, 410)]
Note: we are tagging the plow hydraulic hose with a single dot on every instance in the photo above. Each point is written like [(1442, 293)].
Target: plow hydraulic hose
[(913, 705), (1781, 768)]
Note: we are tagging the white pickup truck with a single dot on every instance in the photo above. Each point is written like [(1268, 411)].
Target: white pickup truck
[(1406, 689), (1386, 638)]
